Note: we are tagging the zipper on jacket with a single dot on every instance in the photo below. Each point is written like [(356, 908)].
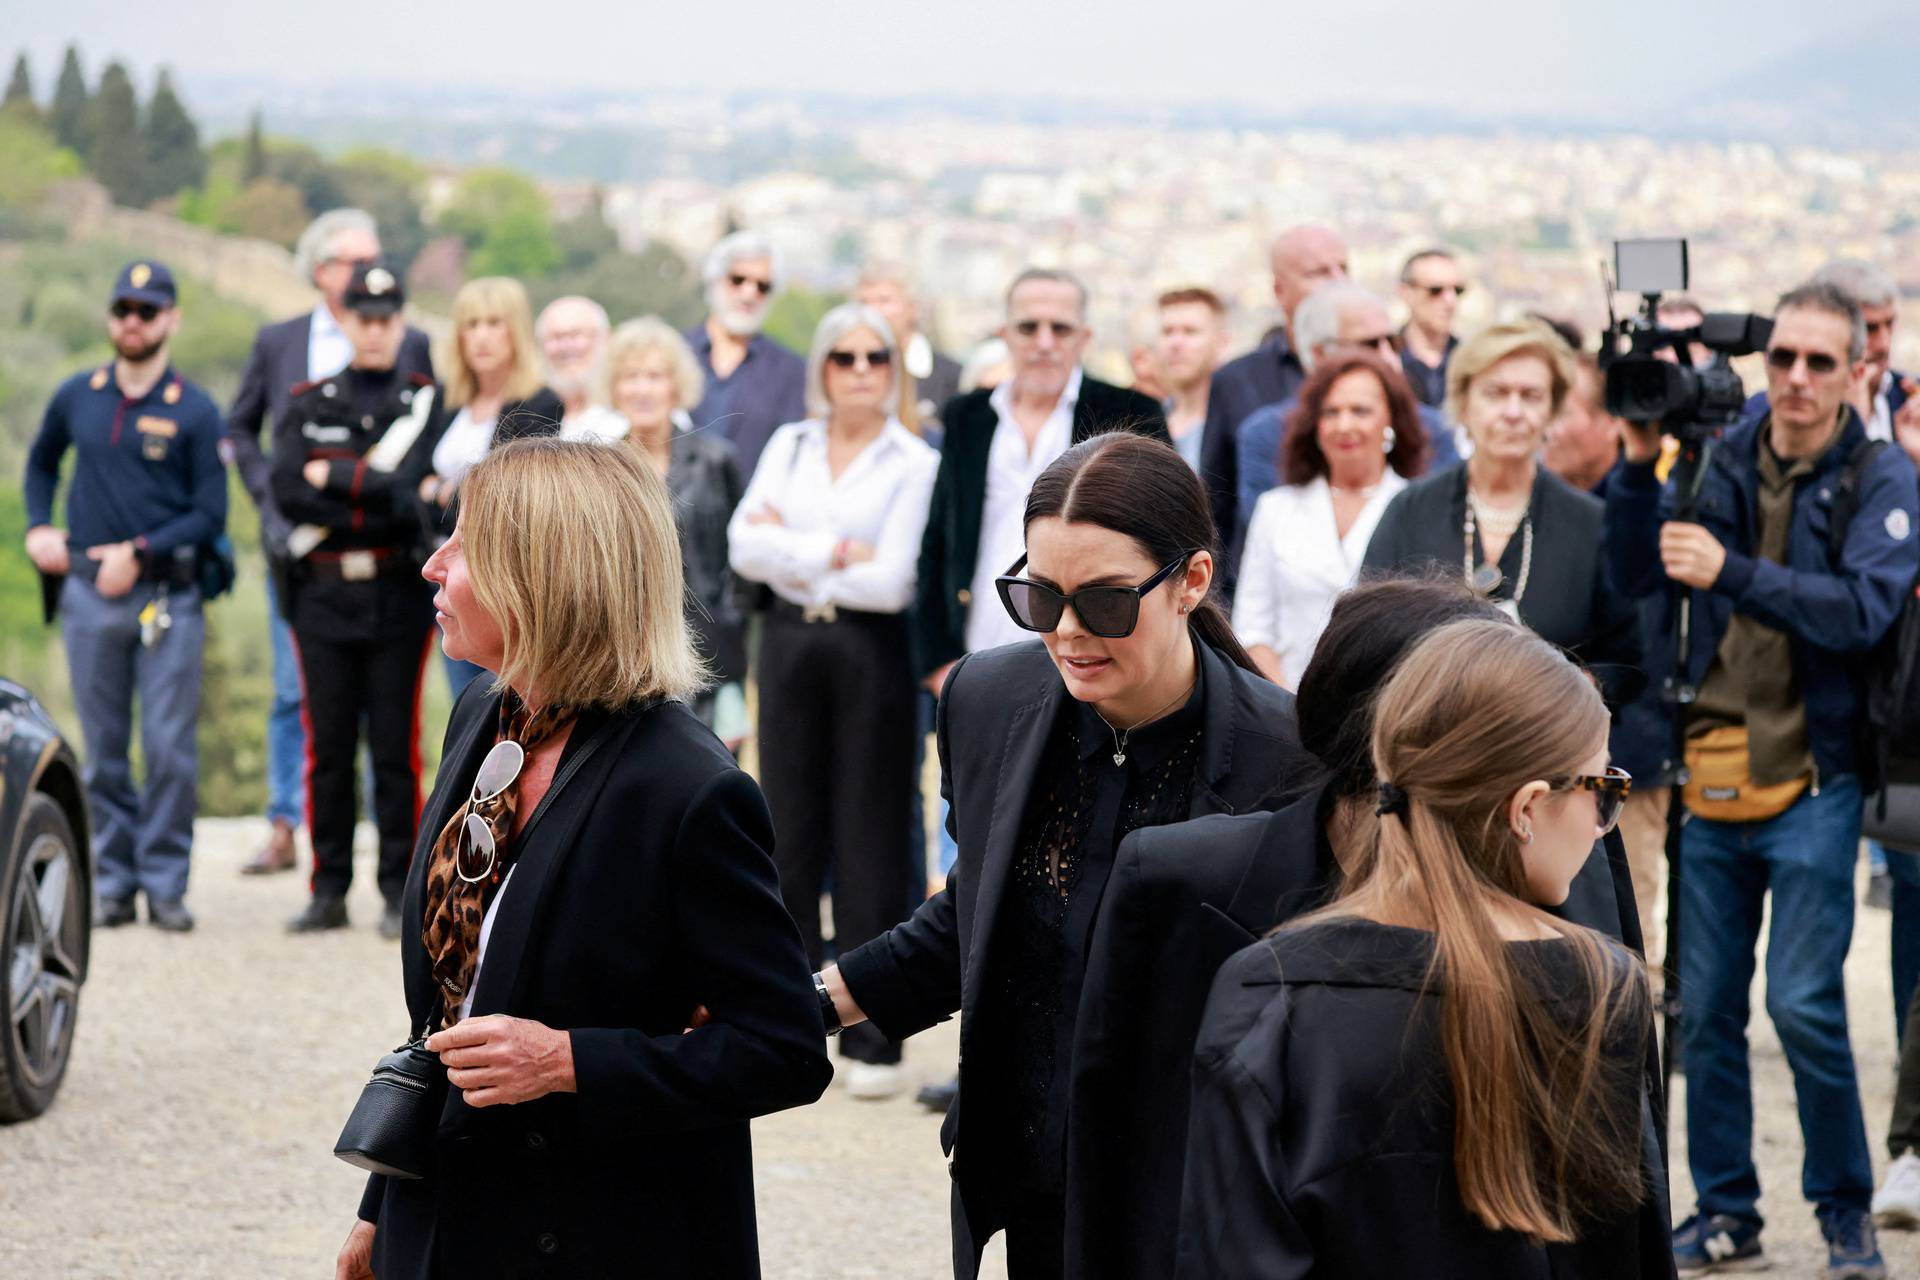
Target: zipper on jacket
[(400, 1079)]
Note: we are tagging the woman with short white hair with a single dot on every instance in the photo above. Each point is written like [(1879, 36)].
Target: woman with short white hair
[(832, 522)]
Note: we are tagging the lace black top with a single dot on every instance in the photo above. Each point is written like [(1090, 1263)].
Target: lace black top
[(1082, 806)]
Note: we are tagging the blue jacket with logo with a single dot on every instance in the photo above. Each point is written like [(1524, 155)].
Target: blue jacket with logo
[(1833, 613)]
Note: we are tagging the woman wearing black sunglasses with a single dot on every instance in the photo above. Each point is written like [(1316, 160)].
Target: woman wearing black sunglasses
[(1137, 707), (593, 876)]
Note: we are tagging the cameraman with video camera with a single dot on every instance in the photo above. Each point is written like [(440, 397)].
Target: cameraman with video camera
[(1786, 596)]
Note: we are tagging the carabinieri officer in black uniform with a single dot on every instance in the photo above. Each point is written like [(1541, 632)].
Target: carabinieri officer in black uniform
[(147, 503), (348, 456)]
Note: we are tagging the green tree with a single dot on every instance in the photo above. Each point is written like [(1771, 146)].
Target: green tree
[(175, 160), (392, 188), (796, 313), (30, 162), (254, 166), (655, 281), (487, 197), (266, 210), (68, 114), (585, 238), (307, 170), (115, 154), (19, 104), (519, 244)]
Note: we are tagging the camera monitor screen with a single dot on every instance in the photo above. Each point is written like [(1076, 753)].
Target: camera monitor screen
[(1649, 266)]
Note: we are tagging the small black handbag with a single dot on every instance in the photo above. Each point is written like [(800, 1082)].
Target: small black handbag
[(392, 1126)]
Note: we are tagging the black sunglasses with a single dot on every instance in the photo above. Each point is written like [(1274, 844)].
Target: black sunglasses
[(1609, 789), (145, 310), (764, 286), (1435, 290), (1108, 612), (1060, 329), (874, 359), (1818, 362)]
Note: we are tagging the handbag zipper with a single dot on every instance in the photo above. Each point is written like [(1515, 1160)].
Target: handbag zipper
[(388, 1075)]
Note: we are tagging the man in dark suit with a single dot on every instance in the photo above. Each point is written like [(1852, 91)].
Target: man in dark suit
[(997, 442), (935, 378), (301, 349), (1304, 258)]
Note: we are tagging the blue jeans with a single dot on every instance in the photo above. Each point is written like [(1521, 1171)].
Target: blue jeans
[(286, 733), (1805, 858), (142, 840), (1904, 868)]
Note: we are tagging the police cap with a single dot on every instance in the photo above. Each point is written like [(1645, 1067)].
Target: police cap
[(375, 289), (144, 280)]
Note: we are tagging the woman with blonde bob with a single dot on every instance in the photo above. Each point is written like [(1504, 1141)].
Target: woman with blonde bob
[(593, 877), (491, 367), (1434, 1075)]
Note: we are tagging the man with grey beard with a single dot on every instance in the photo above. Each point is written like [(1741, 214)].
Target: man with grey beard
[(572, 333), (753, 383)]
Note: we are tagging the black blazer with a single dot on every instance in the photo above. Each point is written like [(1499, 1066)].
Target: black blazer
[(1322, 1122), (1569, 598), (1268, 374), (1180, 901), (277, 363), (993, 723), (951, 545), (643, 891), (537, 415)]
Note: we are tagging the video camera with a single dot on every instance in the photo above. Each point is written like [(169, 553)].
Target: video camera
[(1689, 403)]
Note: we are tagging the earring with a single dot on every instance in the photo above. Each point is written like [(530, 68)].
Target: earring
[(1386, 441), (1526, 836)]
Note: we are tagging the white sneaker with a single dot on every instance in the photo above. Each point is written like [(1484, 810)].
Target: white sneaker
[(876, 1081), (1897, 1203)]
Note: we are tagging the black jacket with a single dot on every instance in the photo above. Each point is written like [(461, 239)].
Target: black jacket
[(951, 545), (1180, 901), (537, 415), (1266, 375), (993, 724), (1322, 1122), (645, 890), (277, 363), (1570, 599)]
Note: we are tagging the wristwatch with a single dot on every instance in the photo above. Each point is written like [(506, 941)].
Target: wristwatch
[(828, 1014)]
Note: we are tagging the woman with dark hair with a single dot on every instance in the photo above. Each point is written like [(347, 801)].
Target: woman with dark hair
[(1137, 707), (1353, 442), (1436, 1074), (1515, 530)]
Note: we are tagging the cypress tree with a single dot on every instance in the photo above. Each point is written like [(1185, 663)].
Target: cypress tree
[(68, 114), (254, 167), (174, 158), (19, 99), (116, 156)]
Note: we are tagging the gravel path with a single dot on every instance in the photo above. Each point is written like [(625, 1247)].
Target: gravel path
[(194, 1133)]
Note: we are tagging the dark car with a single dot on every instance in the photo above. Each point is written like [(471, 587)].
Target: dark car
[(46, 892)]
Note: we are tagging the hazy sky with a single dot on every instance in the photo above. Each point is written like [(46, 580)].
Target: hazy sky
[(1534, 56)]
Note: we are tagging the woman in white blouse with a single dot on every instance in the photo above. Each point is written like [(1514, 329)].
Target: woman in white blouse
[(1352, 443), (831, 521)]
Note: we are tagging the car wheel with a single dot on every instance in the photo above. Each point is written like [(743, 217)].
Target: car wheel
[(43, 943)]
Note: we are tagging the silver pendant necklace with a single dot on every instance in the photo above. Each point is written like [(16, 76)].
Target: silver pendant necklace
[(1120, 735)]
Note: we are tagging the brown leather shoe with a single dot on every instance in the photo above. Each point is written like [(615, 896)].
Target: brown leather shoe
[(275, 855)]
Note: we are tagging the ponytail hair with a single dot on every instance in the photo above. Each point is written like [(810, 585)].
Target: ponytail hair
[(1546, 1109), (1142, 488)]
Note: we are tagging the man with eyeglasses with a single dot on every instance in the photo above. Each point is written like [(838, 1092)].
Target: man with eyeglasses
[(1785, 605), (147, 502), (1431, 286), (307, 347), (1304, 258), (753, 383), (1340, 314)]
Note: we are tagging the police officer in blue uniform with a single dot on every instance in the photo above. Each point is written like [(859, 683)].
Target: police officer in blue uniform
[(146, 504), (348, 458)]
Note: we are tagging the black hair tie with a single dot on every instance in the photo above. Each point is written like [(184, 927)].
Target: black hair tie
[(1392, 800)]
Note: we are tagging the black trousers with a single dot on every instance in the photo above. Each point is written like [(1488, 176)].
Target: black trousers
[(1903, 1128), (344, 682), (836, 764)]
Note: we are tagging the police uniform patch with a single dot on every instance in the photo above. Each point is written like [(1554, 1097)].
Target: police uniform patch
[(140, 274), (1898, 525), (172, 394), (147, 424)]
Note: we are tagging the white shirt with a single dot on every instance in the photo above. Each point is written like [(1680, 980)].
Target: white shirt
[(480, 952), (1296, 563), (328, 348), (466, 442), (1011, 471), (881, 499), (1880, 424)]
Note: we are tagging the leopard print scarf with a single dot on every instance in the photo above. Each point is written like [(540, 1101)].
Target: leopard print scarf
[(455, 907)]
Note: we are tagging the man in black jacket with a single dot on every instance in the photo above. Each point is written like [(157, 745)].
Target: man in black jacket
[(997, 442), (305, 348), (1304, 258)]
